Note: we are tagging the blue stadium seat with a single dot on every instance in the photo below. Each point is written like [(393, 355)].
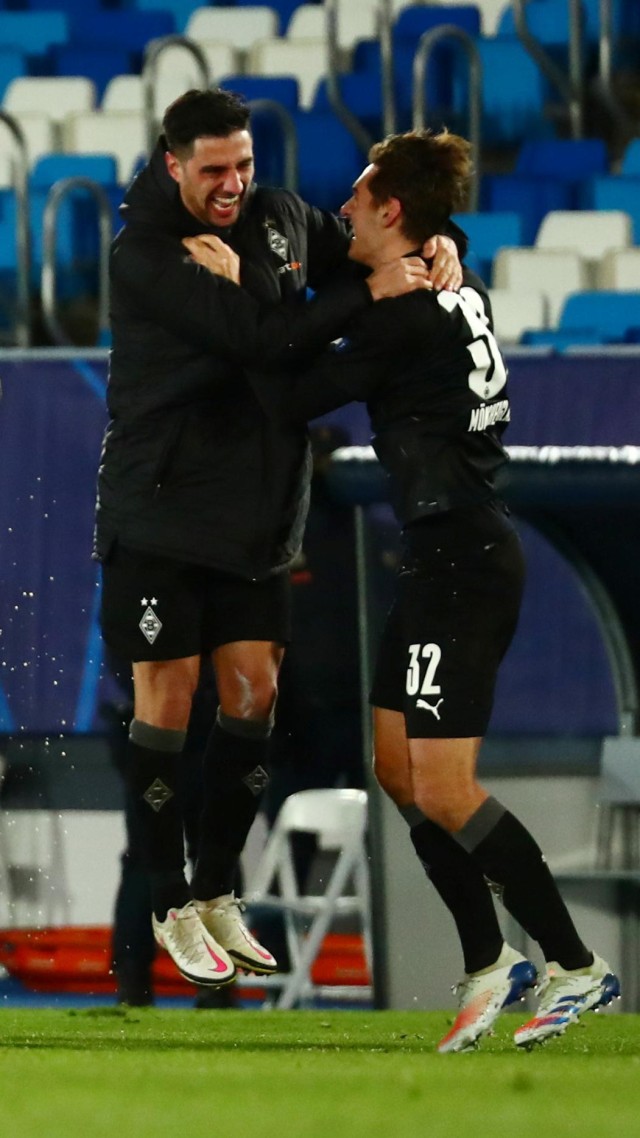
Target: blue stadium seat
[(514, 93), (548, 21), (367, 62), (631, 159), (362, 93), (594, 317), (33, 32), (282, 89), (77, 233), (99, 63), (329, 159), (615, 192), (567, 159), (548, 174), (532, 198), (13, 64), (413, 22), (179, 9), (488, 232), (127, 30)]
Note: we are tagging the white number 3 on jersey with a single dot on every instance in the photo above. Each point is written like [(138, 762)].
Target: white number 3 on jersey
[(488, 375)]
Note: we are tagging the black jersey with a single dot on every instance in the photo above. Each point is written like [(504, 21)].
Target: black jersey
[(431, 373)]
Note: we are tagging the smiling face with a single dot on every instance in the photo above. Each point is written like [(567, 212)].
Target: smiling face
[(364, 214), (214, 179)]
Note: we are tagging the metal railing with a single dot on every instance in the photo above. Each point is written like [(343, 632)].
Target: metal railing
[(153, 51), (345, 114), (20, 162), (49, 274), (571, 86), (426, 44), (604, 86)]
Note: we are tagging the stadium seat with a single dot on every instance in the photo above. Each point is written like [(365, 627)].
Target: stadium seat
[(362, 93), (304, 60), (588, 232), (619, 269), (554, 273), (76, 229), (56, 96), (98, 63), (631, 159), (176, 72), (181, 10), (125, 29), (338, 820), (281, 88), (618, 193), (487, 233), (33, 32), (567, 159), (118, 133), (547, 20), (514, 93), (240, 26), (357, 19), (594, 317), (326, 184), (532, 198), (549, 174), (516, 311), (13, 64), (39, 134)]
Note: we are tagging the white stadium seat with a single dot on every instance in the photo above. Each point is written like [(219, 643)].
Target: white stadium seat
[(357, 19), (589, 232), (553, 272), (238, 26), (619, 269), (305, 60), (56, 95), (40, 137), (121, 133), (516, 311)]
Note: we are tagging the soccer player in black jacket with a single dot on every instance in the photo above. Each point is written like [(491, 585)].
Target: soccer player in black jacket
[(202, 496), (429, 368)]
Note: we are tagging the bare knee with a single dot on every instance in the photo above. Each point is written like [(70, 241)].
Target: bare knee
[(164, 691), (247, 681)]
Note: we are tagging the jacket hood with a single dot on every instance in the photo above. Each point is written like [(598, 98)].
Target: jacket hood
[(153, 198)]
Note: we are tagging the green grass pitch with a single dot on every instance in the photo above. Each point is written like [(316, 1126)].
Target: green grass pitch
[(153, 1073)]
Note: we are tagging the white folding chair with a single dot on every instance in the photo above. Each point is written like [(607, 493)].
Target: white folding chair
[(338, 819)]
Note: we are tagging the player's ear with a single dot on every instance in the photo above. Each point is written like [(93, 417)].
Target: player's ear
[(173, 166), (392, 211)]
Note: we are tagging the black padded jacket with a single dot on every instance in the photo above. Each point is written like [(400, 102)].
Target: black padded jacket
[(192, 466)]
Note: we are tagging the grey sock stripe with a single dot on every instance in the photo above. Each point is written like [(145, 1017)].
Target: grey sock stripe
[(480, 824), (245, 728), (156, 738), (412, 815)]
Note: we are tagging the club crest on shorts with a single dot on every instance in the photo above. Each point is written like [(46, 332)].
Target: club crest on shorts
[(150, 624), (278, 244)]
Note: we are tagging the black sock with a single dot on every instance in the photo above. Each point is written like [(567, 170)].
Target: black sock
[(464, 891), (156, 814), (234, 777), (509, 856)]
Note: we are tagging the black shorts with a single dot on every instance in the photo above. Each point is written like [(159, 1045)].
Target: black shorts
[(155, 608), (454, 613)]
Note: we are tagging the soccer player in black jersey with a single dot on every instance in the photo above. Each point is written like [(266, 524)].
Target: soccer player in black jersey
[(429, 368)]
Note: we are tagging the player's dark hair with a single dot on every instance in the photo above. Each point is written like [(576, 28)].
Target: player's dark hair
[(429, 175), (203, 114)]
